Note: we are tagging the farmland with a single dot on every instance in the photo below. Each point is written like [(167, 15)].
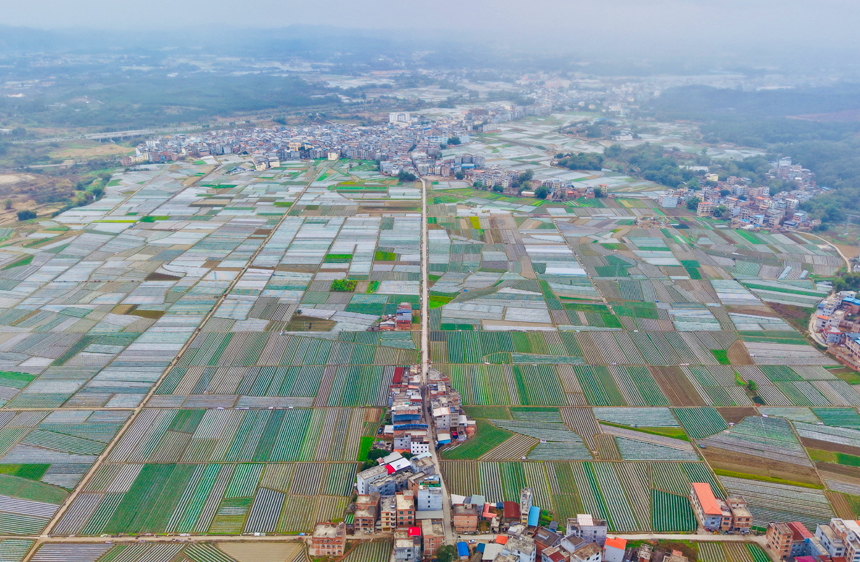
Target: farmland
[(598, 345), (219, 330)]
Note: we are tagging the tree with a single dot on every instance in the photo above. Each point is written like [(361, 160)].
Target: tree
[(446, 553), (26, 215), (693, 203), (498, 188), (542, 192), (598, 193), (459, 175), (724, 192), (376, 454), (454, 140), (752, 386), (720, 211), (406, 176), (8, 204)]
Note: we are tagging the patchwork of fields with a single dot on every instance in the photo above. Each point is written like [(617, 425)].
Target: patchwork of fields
[(191, 354)]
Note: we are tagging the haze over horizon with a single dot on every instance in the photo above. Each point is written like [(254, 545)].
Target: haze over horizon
[(732, 29)]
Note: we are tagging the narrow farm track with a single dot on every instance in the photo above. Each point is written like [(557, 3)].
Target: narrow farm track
[(136, 411)]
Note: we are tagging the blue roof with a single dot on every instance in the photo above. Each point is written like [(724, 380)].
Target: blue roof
[(480, 547), (534, 516), (462, 549), (851, 301)]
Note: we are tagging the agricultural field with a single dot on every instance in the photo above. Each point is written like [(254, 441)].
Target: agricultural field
[(196, 552), (604, 334), (631, 496), (214, 320), (191, 354)]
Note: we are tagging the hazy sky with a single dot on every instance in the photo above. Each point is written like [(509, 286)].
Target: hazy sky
[(771, 24)]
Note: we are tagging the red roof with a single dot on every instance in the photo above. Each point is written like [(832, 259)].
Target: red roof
[(414, 532), (390, 469), (706, 499), (616, 542), (511, 510), (501, 539), (799, 531)]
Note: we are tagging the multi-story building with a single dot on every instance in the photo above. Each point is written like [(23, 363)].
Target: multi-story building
[(521, 546), (525, 505), (613, 550), (429, 496), (407, 545), (465, 518), (779, 537), (364, 478), (405, 505), (434, 537), (546, 538), (587, 528), (328, 539), (388, 513), (709, 512), (366, 513), (840, 536), (588, 553), (741, 516)]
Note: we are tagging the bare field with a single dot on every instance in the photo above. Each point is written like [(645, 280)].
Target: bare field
[(748, 464)]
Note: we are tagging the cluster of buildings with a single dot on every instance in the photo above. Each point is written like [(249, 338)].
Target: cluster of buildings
[(836, 541), (414, 407), (583, 539), (406, 143), (403, 493), (754, 208), (837, 325), (400, 320), (715, 514)]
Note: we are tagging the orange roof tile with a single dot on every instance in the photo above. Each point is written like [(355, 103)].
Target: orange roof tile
[(706, 498), (617, 542)]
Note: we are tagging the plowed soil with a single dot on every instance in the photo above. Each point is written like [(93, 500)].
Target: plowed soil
[(676, 386)]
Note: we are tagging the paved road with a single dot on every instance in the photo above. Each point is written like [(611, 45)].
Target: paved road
[(425, 358), (71, 498), (761, 540)]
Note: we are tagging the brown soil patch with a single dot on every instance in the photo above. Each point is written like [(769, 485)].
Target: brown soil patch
[(828, 446), (840, 505), (840, 469), (748, 464), (676, 386), (309, 324), (737, 414), (711, 272), (123, 308), (264, 551), (738, 354), (96, 150), (846, 478), (797, 316), (753, 310), (151, 314), (155, 276)]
